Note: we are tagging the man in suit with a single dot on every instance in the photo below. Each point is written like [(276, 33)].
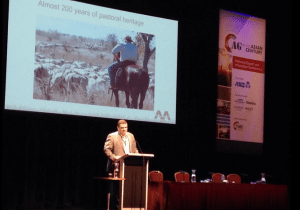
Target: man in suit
[(116, 145)]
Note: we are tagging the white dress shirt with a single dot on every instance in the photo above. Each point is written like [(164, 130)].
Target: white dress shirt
[(125, 140)]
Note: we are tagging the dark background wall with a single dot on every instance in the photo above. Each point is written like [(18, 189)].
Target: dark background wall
[(50, 160)]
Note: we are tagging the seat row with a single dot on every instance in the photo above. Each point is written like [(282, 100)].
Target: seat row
[(182, 176)]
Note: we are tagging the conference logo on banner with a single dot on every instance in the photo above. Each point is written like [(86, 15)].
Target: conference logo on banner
[(231, 44), (241, 72)]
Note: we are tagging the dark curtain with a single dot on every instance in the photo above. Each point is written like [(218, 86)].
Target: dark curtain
[(50, 166)]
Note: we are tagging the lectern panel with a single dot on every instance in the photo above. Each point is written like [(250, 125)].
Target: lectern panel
[(134, 161), (133, 194), (135, 186)]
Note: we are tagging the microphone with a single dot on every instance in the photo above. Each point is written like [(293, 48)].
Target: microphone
[(139, 146), (271, 178), (141, 152)]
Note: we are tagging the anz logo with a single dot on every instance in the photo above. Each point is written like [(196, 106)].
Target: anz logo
[(243, 84)]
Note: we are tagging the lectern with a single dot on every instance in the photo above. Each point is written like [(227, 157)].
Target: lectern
[(134, 189)]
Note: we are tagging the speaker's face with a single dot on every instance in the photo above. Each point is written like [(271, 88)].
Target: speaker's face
[(122, 128)]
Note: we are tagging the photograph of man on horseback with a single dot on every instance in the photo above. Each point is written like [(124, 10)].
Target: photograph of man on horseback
[(128, 56), (126, 76)]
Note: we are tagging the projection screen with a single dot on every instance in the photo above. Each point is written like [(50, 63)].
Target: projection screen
[(58, 53)]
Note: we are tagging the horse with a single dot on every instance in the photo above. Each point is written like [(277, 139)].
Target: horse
[(134, 81)]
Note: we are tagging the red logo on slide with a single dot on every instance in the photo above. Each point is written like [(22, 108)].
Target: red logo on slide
[(229, 36)]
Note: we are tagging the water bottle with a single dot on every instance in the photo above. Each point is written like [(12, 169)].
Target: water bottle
[(193, 176), (116, 171), (263, 179), (222, 178)]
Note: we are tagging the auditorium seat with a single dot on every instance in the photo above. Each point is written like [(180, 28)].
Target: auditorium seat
[(234, 178), (156, 176), (182, 176), (217, 178)]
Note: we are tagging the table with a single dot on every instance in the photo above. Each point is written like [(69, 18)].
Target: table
[(212, 196), (109, 179)]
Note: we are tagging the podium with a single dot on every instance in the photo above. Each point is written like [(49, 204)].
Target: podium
[(133, 192)]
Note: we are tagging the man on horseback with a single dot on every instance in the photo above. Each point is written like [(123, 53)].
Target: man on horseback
[(128, 56)]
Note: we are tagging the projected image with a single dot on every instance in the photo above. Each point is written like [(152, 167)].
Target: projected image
[(223, 107), (224, 68), (223, 132), (72, 60)]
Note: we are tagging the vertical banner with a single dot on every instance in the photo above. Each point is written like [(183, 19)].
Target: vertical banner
[(241, 76)]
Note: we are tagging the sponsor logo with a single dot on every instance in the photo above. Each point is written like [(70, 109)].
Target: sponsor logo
[(243, 84), (251, 103), (158, 115), (240, 101), (239, 108), (249, 108), (237, 126)]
